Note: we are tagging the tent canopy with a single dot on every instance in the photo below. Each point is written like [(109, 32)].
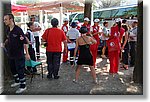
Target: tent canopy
[(18, 8)]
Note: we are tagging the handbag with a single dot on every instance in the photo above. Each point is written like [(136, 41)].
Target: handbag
[(71, 46), (113, 44)]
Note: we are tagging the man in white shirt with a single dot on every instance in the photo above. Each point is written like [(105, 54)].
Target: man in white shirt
[(72, 35), (36, 33), (132, 42)]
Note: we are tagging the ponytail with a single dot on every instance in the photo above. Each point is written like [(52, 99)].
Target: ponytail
[(119, 25)]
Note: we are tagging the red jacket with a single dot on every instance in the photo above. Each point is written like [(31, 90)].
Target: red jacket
[(115, 32)]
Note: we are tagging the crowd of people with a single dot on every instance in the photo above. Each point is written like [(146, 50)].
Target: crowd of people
[(80, 45)]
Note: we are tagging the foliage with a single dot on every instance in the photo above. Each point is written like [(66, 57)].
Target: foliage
[(19, 2)]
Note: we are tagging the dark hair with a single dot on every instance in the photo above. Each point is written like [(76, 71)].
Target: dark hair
[(11, 16), (119, 25), (29, 24), (124, 21), (73, 24), (105, 23), (32, 17), (54, 22), (83, 30)]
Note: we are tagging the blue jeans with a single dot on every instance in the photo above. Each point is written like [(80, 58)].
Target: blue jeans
[(53, 61)]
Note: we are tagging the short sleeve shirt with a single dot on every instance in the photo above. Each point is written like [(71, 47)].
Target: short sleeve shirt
[(15, 43), (73, 33), (37, 33), (54, 38)]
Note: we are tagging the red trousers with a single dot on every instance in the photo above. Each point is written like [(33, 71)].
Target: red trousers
[(114, 61), (65, 56), (93, 49)]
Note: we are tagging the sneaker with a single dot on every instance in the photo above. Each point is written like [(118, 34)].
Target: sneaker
[(15, 84), (20, 90), (49, 77), (75, 81), (96, 81), (56, 77)]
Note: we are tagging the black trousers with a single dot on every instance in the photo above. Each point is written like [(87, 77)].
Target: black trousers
[(71, 57), (125, 57), (132, 52), (17, 68), (53, 61), (37, 45), (32, 56)]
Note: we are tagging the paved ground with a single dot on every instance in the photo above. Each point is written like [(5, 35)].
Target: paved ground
[(119, 84)]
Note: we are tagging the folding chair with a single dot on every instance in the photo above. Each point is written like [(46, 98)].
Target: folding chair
[(31, 63)]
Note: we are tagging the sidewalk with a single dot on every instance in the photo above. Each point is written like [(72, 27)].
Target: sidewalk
[(119, 84)]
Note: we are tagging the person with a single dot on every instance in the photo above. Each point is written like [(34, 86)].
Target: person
[(65, 28), (125, 45), (36, 33), (116, 32), (54, 37), (132, 42), (85, 56), (31, 48), (105, 37), (86, 24), (78, 26), (72, 35), (16, 43), (95, 31)]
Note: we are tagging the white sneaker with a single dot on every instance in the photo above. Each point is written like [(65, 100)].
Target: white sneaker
[(75, 81), (15, 84), (20, 90), (96, 81)]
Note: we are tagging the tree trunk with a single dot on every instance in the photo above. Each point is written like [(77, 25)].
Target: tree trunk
[(7, 72), (88, 8), (138, 70)]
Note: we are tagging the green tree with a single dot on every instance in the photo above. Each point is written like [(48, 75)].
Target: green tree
[(19, 2)]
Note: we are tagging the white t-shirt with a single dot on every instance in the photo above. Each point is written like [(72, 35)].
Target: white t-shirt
[(32, 39), (37, 33), (133, 34), (106, 32), (73, 33)]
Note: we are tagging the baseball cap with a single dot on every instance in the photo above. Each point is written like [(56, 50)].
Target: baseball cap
[(96, 20), (86, 19), (66, 19), (118, 20)]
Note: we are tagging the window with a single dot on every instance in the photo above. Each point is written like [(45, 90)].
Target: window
[(113, 13), (122, 12), (71, 17), (97, 14), (80, 17), (105, 14)]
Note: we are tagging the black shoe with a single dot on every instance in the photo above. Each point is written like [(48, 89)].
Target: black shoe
[(56, 77), (49, 77)]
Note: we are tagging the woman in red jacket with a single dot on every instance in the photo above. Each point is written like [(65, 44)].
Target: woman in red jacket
[(116, 34), (95, 31), (65, 28)]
